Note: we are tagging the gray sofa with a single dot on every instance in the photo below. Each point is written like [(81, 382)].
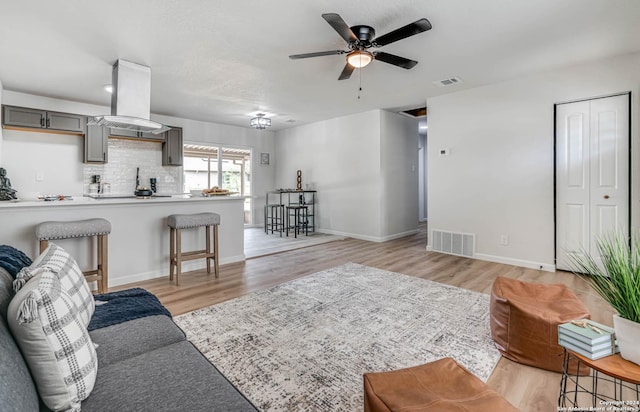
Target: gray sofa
[(145, 364)]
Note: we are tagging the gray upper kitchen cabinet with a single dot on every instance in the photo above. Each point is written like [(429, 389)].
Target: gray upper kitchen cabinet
[(42, 119), (66, 121), (96, 143), (151, 136), (134, 134), (172, 149), (123, 133), (23, 117)]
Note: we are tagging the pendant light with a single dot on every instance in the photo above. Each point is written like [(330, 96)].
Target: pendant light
[(260, 122)]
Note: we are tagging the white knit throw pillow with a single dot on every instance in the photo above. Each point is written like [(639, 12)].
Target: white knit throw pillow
[(59, 261), (54, 341)]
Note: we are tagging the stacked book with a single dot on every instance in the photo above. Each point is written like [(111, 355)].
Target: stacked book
[(588, 338)]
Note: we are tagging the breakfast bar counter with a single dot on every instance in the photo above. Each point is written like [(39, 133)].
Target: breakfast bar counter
[(139, 238)]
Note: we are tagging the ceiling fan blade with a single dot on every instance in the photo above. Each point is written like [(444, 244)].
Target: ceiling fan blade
[(346, 72), (340, 26), (395, 60), (316, 54), (403, 32)]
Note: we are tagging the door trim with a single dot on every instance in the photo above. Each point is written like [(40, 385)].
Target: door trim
[(555, 166)]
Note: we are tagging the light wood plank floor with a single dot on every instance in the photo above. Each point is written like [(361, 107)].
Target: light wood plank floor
[(528, 388), (257, 243)]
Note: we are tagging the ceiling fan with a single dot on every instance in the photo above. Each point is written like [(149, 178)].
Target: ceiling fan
[(360, 38)]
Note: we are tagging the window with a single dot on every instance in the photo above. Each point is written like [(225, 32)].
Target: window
[(225, 167), (236, 170), (200, 167)]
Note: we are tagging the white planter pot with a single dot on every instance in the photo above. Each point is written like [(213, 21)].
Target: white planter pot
[(628, 335)]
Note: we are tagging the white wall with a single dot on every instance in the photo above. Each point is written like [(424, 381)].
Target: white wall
[(399, 171), (499, 176), (1, 138), (59, 157), (56, 157), (422, 177), (341, 158)]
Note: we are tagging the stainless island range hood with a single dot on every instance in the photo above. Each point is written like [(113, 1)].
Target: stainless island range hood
[(131, 100)]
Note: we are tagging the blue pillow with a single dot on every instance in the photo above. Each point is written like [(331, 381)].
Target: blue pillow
[(13, 260), (125, 305)]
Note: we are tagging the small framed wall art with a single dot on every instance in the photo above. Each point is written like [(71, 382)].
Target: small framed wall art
[(264, 158)]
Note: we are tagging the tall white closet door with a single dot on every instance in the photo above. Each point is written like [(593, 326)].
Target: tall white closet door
[(592, 173)]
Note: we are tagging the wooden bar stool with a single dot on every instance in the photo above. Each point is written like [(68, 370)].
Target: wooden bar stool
[(99, 228), (176, 256)]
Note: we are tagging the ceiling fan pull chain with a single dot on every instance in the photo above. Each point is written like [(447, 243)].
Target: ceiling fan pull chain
[(360, 79)]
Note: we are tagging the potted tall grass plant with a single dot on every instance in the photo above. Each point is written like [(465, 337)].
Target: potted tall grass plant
[(617, 280)]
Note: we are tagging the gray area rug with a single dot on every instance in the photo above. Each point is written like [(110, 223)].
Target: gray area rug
[(304, 345)]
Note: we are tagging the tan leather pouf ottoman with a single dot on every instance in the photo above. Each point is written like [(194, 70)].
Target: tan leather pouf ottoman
[(441, 386), (525, 318)]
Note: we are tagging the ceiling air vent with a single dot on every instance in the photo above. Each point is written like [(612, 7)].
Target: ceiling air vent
[(448, 82)]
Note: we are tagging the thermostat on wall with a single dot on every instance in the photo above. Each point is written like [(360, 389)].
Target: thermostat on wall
[(444, 152)]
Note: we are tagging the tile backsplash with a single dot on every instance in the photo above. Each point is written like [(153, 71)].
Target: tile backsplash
[(124, 157)]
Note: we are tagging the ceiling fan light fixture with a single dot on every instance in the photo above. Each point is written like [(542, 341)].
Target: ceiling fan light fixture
[(260, 122), (359, 58)]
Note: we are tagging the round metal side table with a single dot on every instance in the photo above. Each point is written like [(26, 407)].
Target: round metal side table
[(613, 385)]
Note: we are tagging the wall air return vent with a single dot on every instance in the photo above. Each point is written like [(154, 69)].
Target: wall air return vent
[(448, 82), (460, 244)]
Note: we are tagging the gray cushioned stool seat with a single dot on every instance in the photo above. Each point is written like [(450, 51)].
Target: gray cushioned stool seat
[(76, 228), (97, 227), (141, 384), (194, 220), (210, 221)]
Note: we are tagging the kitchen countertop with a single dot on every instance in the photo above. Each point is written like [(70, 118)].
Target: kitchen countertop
[(139, 238), (87, 201)]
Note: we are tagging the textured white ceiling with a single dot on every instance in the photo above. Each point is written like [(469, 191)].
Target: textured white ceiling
[(222, 61)]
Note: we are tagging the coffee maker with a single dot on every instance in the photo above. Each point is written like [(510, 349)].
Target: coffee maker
[(96, 185)]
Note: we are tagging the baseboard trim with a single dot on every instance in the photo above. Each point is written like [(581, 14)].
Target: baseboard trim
[(516, 262), (164, 272), (509, 261), (368, 238), (347, 234), (399, 235)]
